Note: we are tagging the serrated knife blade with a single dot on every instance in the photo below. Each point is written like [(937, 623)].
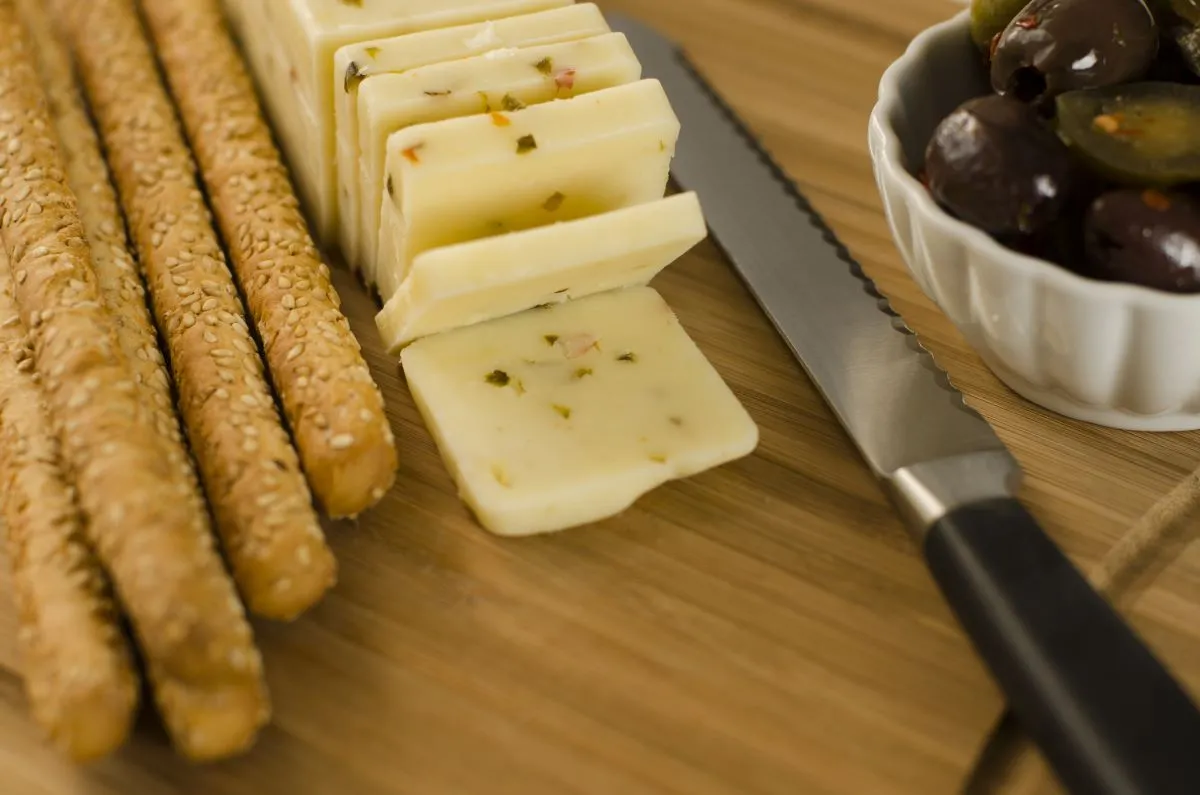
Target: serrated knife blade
[(1106, 713)]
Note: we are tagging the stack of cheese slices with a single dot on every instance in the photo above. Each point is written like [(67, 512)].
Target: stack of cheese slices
[(496, 170)]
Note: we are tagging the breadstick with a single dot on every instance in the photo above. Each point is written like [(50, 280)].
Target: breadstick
[(329, 398), (184, 610), (78, 670), (251, 473), (120, 283)]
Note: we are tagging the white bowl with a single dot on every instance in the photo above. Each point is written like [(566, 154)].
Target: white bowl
[(1112, 354)]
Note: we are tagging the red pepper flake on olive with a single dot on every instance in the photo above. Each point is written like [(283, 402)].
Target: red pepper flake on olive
[(1145, 237)]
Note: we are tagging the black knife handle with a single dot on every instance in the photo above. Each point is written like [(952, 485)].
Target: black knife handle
[(1107, 715)]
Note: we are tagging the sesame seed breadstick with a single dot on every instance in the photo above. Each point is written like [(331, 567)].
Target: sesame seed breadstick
[(199, 653), (78, 670), (333, 406), (121, 289), (251, 473)]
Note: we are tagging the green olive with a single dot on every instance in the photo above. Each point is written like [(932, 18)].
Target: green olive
[(1138, 134), (989, 17)]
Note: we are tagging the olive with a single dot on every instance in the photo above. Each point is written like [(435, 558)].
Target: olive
[(1147, 237), (1054, 46), (1141, 134), (1170, 11), (989, 17), (995, 164)]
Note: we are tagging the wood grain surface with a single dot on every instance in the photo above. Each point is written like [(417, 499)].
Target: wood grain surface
[(767, 628)]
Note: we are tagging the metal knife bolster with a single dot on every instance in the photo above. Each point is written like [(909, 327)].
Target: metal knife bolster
[(932, 452), (927, 492)]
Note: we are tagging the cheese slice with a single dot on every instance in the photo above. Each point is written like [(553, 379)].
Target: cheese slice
[(470, 283), (290, 45), (560, 417), (479, 176), (498, 80), (374, 57)]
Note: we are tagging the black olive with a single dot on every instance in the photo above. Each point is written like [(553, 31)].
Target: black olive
[(997, 166), (1147, 237), (1053, 46)]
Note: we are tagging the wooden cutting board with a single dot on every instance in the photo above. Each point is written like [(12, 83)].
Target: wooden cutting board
[(764, 628)]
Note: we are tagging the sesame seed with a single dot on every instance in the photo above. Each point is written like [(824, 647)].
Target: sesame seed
[(188, 320), (341, 442)]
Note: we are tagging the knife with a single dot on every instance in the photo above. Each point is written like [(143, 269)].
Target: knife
[(1105, 712)]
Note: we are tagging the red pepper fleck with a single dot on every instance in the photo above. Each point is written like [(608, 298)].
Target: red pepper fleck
[(410, 154), (1027, 23), (500, 120), (995, 43), (1156, 200), (565, 79)]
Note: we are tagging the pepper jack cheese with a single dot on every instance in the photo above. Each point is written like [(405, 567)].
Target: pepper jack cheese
[(359, 64), (479, 176), (501, 80), (461, 285), (290, 45), (563, 416)]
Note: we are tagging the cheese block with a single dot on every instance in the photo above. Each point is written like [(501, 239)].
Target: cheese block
[(374, 57), (290, 45), (497, 80), (469, 283), (479, 176), (563, 416)]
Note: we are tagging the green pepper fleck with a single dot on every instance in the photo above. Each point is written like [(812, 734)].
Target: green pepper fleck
[(525, 144), (354, 75), (545, 66), (497, 378)]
